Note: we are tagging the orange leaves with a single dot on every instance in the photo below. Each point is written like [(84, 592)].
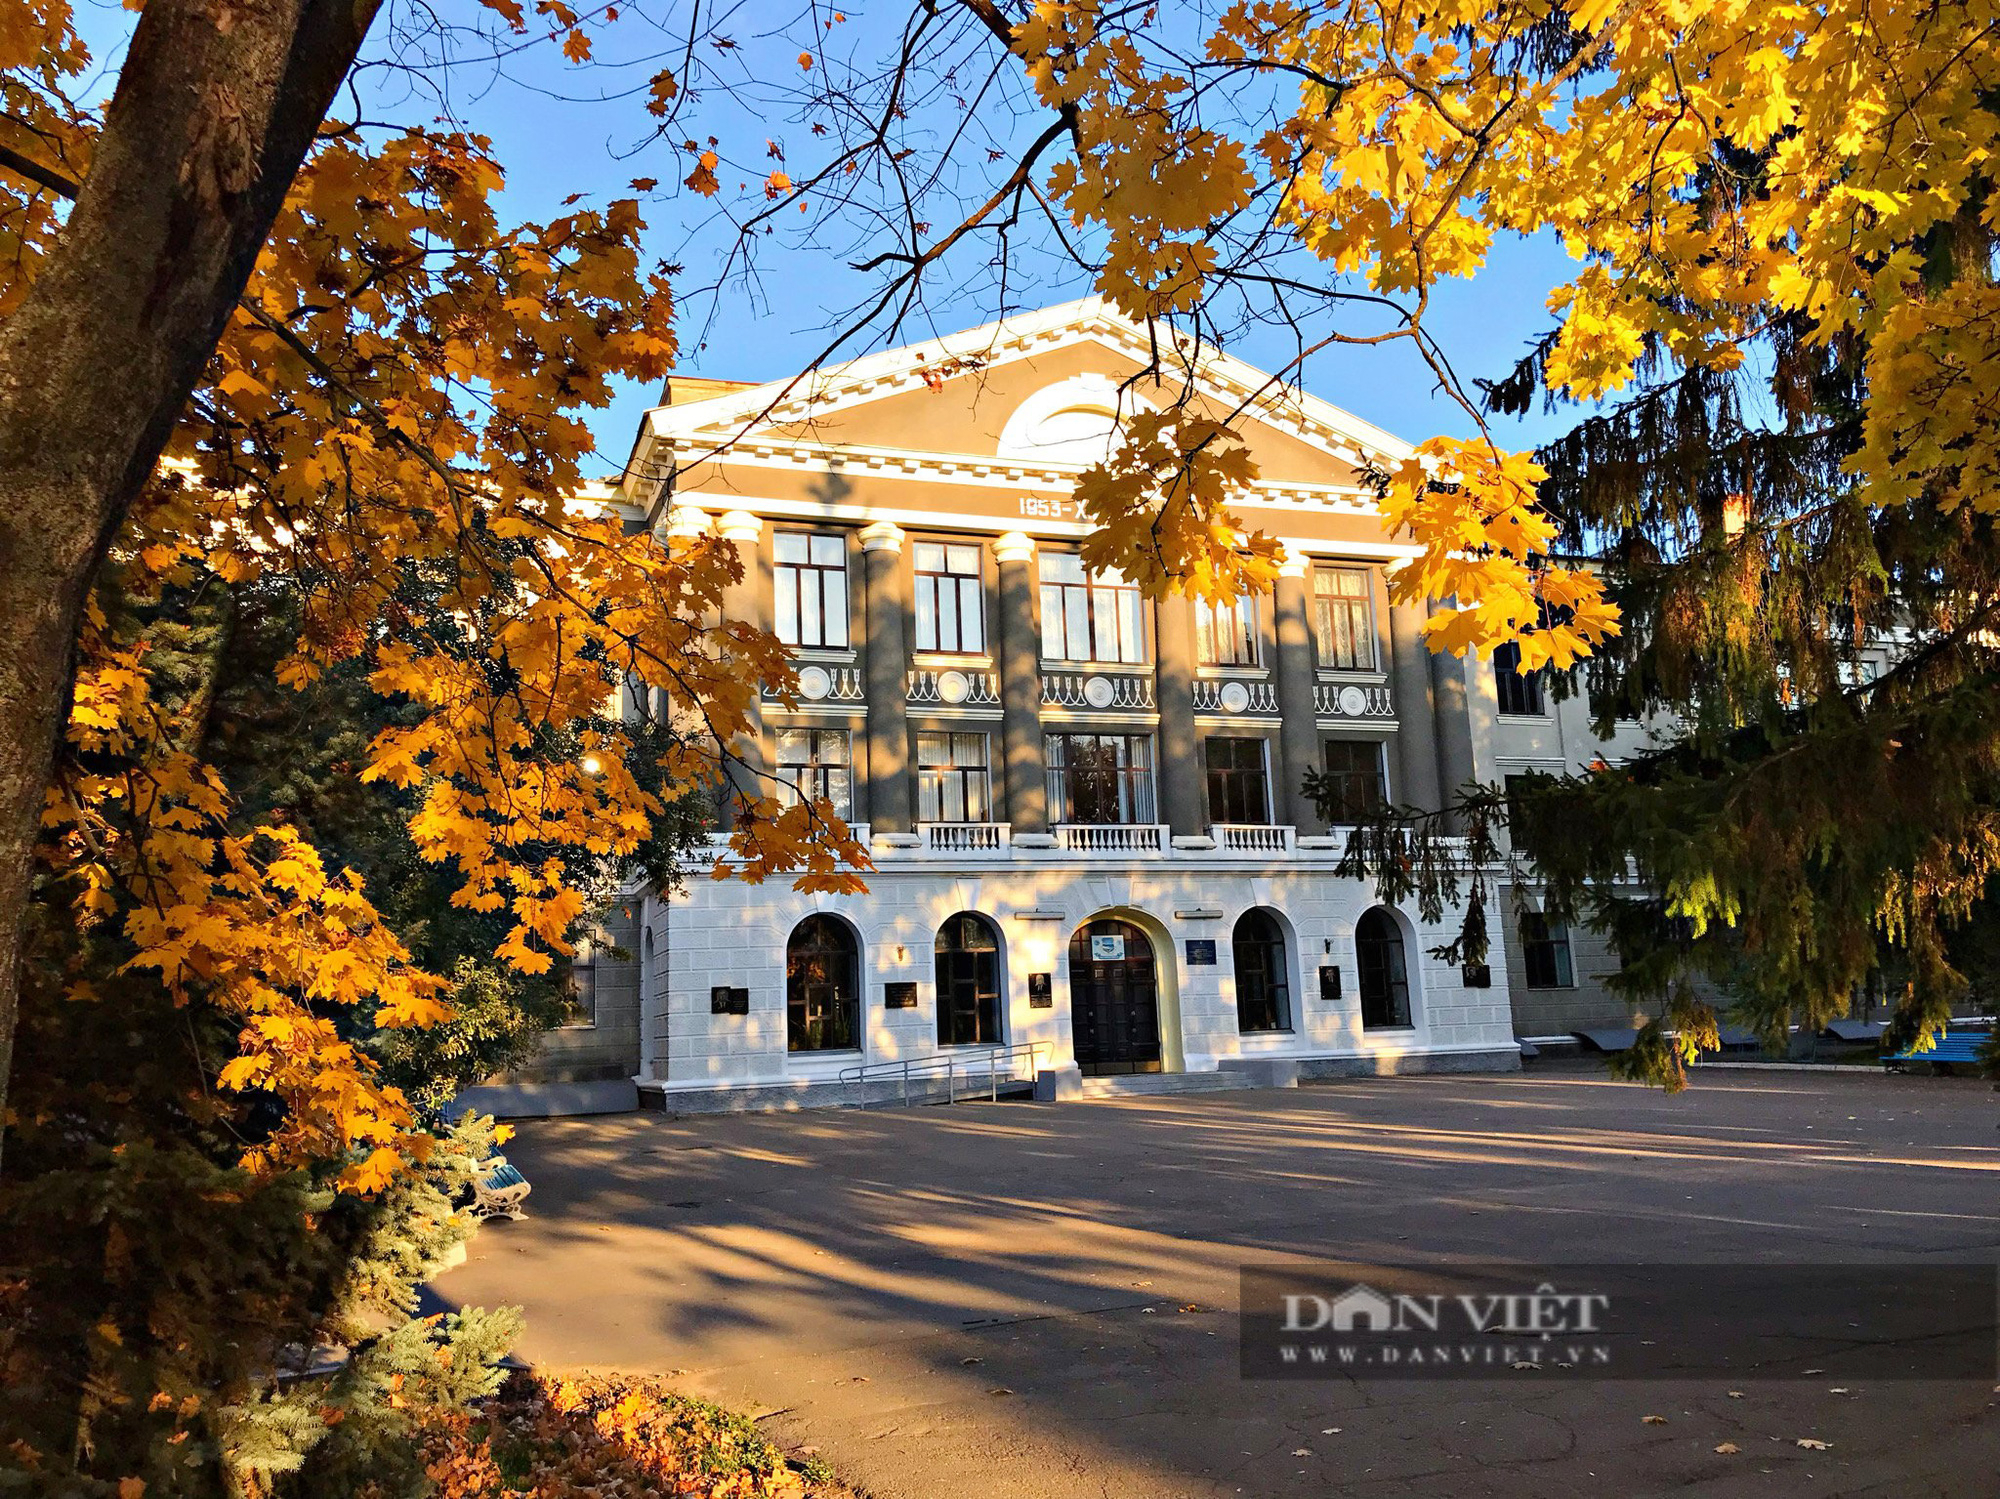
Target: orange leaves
[(661, 93), (1485, 542), (702, 179), (777, 185)]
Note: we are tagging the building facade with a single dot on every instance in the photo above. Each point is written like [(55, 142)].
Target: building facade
[(1084, 807)]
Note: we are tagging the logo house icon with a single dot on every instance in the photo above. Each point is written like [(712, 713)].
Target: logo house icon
[(1361, 1308)]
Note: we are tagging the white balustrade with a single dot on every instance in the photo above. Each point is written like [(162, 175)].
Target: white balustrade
[(1111, 838), (1253, 838), (965, 837)]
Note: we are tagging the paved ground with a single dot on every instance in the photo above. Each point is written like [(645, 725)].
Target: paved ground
[(1038, 1300)]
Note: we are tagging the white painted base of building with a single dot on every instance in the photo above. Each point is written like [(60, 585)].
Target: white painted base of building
[(725, 935)]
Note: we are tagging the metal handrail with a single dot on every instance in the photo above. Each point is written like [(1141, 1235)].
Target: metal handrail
[(950, 1064)]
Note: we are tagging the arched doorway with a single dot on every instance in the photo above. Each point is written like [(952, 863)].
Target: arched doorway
[(1383, 971), (1114, 999), (967, 958)]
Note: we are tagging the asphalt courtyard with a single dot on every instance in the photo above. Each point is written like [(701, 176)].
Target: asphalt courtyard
[(1024, 1299)]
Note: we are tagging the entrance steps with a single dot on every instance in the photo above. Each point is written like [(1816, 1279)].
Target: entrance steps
[(1147, 1084)]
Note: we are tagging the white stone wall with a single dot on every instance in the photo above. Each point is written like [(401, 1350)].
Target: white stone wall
[(724, 932)]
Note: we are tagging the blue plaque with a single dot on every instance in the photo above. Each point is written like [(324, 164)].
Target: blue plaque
[(1201, 952)]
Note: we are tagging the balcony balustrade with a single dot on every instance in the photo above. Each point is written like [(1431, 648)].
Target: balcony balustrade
[(1253, 838), (966, 837), (1111, 837)]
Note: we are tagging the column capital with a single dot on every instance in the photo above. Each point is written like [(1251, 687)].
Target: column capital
[(739, 525), (687, 521), (1293, 564), (1015, 546), (882, 536)]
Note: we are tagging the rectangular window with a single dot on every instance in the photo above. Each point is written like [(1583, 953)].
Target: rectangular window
[(1344, 618), (1545, 952), (1226, 634), (814, 763), (1520, 695), (1089, 616), (952, 783), (580, 984), (1354, 777), (951, 609), (1237, 789), (809, 583), (1101, 778)]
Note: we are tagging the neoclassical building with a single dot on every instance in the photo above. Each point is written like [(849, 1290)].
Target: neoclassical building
[(1092, 851)]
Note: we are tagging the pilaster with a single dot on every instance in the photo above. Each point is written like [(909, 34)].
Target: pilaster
[(887, 673), (1019, 658), (1298, 736), (1180, 764)]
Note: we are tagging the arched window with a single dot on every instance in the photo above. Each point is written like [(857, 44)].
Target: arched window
[(968, 981), (1384, 974), (1263, 991), (822, 986)]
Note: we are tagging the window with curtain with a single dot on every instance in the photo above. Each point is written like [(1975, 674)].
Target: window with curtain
[(950, 602), (815, 763), (1089, 616), (1344, 618), (1226, 634), (1354, 778), (1100, 778), (1238, 790), (1263, 986), (809, 588), (953, 782)]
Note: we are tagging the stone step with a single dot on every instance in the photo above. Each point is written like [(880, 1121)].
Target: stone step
[(1145, 1084)]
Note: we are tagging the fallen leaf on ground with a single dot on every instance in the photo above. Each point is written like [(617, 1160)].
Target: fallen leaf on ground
[(1302, 1452), (1813, 1444), (1654, 1420), (1728, 1449)]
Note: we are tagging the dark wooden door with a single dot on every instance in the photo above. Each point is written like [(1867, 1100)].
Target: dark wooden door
[(1114, 1001)]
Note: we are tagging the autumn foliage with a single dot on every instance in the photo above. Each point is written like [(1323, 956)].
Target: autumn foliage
[(569, 1438)]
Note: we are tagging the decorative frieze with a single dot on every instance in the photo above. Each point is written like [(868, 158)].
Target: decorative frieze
[(953, 688), (827, 684), (1252, 699), (1352, 700), (1082, 692)]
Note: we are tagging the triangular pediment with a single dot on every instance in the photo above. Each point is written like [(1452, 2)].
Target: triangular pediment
[(1030, 392)]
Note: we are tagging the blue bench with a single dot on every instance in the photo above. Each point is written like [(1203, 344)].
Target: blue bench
[(1960, 1047)]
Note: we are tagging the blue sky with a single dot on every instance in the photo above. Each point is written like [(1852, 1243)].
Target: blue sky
[(561, 129)]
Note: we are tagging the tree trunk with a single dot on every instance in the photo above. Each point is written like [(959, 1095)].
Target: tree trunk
[(215, 109)]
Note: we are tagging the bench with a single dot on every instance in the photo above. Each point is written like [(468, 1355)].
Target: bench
[(500, 1192), (1960, 1047)]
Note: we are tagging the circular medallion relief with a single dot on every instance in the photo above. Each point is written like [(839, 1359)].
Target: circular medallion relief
[(1099, 692), (1353, 701), (954, 686), (1235, 697), (814, 683)]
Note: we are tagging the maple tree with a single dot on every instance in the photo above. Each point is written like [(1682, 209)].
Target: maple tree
[(1783, 325), (355, 372)]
